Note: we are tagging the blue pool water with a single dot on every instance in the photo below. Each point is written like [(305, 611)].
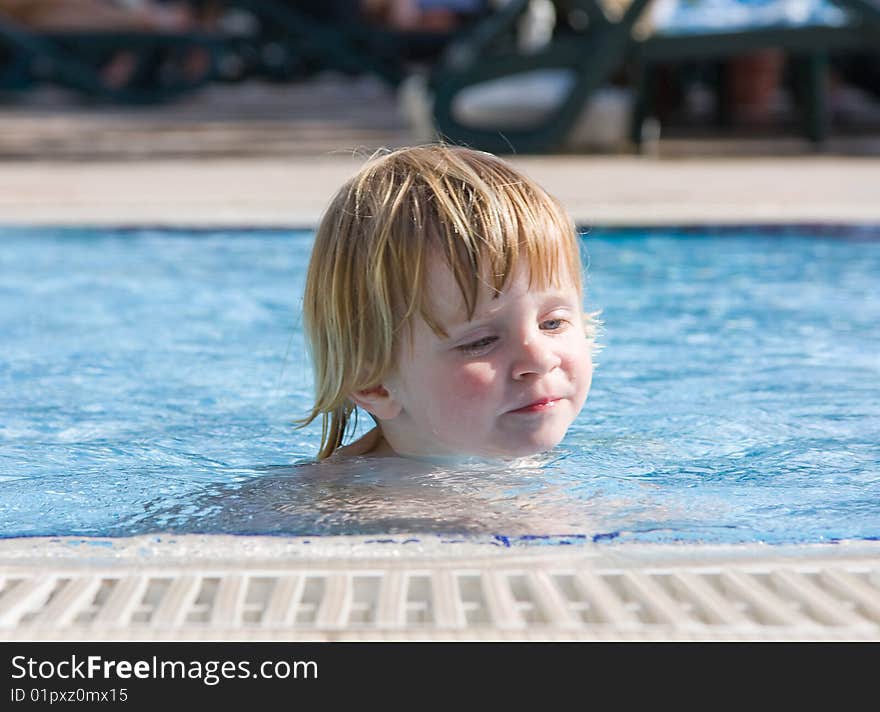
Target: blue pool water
[(148, 380)]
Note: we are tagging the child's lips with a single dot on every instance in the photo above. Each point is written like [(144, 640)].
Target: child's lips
[(538, 406)]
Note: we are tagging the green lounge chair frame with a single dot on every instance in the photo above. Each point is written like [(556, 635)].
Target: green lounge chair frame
[(810, 45), (310, 45), (74, 61), (487, 53)]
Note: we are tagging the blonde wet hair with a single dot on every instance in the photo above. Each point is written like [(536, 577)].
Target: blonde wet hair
[(367, 275)]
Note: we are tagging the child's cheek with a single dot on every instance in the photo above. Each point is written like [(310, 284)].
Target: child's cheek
[(470, 384), (579, 366)]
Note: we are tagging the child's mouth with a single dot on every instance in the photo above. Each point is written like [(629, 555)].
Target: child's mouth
[(538, 406)]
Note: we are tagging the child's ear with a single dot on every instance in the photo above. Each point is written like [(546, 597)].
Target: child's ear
[(378, 401)]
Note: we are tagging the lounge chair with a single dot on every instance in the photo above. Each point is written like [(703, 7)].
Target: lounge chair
[(161, 62), (590, 43), (294, 40)]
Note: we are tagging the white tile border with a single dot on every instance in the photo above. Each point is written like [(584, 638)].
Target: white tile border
[(792, 592)]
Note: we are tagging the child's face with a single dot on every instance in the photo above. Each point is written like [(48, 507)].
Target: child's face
[(508, 383)]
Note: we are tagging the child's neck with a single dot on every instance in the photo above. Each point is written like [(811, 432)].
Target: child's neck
[(372, 444)]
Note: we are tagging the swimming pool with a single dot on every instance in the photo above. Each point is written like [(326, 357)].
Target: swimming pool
[(149, 379)]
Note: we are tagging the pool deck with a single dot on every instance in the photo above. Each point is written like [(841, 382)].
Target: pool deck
[(252, 155), (219, 162), (601, 191)]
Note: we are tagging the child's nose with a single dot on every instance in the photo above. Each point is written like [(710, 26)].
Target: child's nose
[(534, 357)]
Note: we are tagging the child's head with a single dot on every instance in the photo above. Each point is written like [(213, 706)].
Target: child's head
[(444, 296)]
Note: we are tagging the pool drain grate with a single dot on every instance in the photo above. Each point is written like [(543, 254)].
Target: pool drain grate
[(838, 601)]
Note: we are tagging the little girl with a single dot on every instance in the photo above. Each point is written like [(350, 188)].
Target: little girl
[(444, 298)]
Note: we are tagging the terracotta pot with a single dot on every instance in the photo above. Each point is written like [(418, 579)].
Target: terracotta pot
[(755, 81)]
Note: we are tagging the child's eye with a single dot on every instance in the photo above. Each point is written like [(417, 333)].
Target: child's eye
[(553, 324), (478, 345)]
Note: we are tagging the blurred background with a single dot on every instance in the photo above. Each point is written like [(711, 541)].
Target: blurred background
[(132, 79)]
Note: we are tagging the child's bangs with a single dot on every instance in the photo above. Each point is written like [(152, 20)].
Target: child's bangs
[(485, 238)]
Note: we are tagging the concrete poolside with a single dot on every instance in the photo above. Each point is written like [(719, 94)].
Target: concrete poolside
[(293, 192), (218, 165), (270, 156)]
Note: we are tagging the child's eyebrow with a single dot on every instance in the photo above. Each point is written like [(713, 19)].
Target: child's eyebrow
[(466, 324), (462, 323)]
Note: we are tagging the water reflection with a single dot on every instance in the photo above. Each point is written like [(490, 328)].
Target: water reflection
[(388, 496)]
